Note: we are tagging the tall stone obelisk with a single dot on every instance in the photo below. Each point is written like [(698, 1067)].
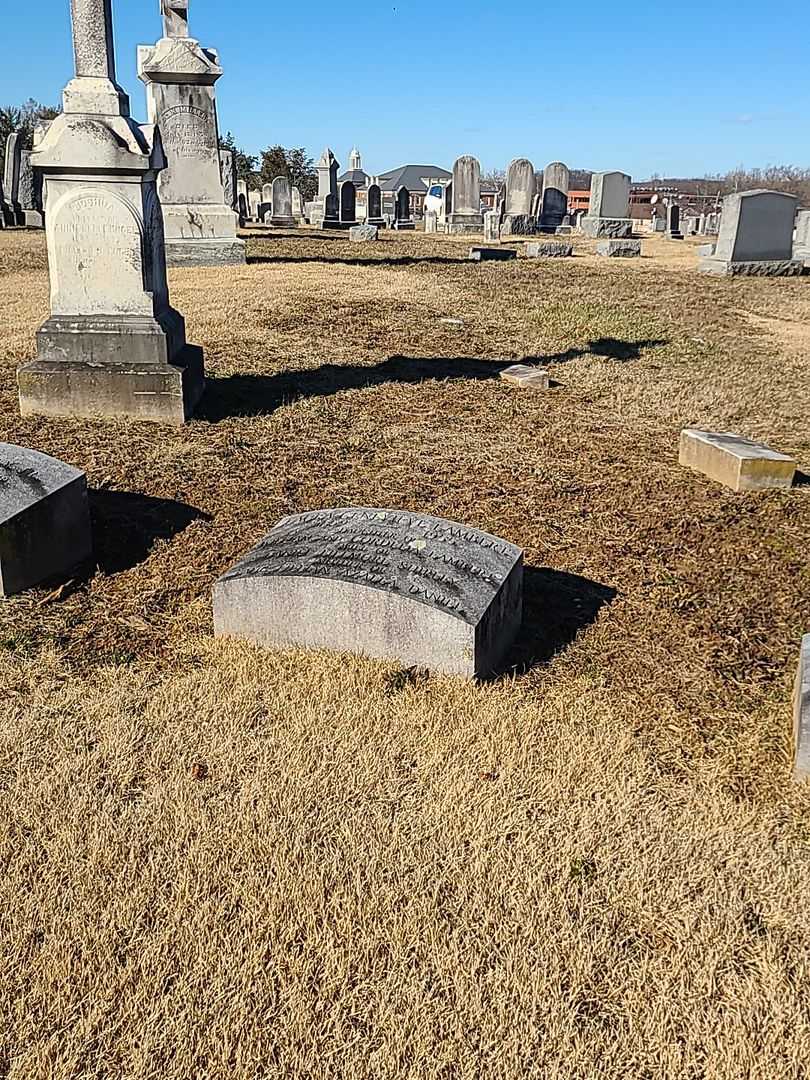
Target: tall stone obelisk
[(113, 345), (180, 76)]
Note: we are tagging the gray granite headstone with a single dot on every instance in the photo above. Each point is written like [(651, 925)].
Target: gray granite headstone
[(756, 236), (609, 209), (556, 180), (374, 205), (44, 519), (348, 203), (384, 583), (619, 249), (402, 210)]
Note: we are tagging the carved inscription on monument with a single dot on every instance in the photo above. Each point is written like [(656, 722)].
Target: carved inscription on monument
[(95, 239), (447, 566), (187, 131)]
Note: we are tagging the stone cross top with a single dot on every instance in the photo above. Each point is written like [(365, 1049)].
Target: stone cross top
[(175, 18), (93, 39)]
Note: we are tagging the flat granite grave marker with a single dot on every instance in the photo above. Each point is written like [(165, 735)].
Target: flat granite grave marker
[(739, 463), (619, 249), (801, 714), (485, 254), (384, 583), (44, 519), (756, 236), (364, 234), (552, 250)]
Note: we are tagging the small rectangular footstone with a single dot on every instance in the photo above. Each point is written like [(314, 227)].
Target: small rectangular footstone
[(44, 519), (531, 378), (619, 249), (558, 250), (383, 583), (801, 714), (363, 234), (736, 462), (484, 254)]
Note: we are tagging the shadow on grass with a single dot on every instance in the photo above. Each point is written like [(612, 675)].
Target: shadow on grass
[(126, 526), (402, 260), (258, 395), (556, 608)]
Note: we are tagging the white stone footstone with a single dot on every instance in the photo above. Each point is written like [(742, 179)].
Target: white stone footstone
[(738, 463), (382, 583), (44, 519), (527, 377)]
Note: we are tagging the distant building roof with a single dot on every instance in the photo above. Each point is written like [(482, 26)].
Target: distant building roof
[(357, 176), (412, 177)]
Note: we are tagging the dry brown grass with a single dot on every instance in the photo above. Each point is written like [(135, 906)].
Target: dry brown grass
[(222, 862)]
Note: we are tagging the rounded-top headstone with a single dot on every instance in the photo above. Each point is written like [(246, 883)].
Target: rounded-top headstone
[(44, 518), (383, 583), (521, 186)]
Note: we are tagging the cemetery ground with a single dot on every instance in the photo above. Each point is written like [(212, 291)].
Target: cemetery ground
[(222, 861)]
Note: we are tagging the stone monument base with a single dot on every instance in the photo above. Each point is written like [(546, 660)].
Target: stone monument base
[(201, 234), (613, 228), (279, 222), (519, 225), (206, 252), (32, 219), (761, 268), (460, 224), (167, 393), (403, 226)]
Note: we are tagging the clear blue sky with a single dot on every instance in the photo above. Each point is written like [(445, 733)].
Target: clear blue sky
[(620, 87)]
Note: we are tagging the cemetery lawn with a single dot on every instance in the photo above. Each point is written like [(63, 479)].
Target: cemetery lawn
[(225, 862)]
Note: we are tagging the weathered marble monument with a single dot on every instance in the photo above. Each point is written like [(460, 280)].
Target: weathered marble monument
[(556, 181), (44, 519), (384, 583), (29, 194), (282, 200), (324, 209), (521, 188), (756, 236), (113, 345), (609, 210), (180, 77), (466, 215)]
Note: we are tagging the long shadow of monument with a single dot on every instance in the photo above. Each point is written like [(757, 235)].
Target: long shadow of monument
[(556, 607), (399, 260), (258, 395), (126, 526)]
